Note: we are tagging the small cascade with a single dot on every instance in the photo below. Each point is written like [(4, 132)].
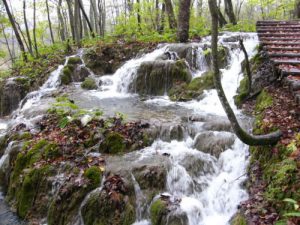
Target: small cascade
[(4, 160), (141, 200)]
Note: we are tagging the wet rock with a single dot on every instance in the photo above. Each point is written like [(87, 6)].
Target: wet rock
[(110, 206), (80, 74), (223, 56), (218, 125), (12, 91), (89, 84), (113, 143), (157, 77), (177, 133), (166, 212), (214, 143), (192, 90)]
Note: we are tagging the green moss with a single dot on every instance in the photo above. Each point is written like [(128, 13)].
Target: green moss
[(113, 143), (74, 60), (157, 210), (263, 101), (29, 189), (89, 84), (66, 75), (242, 92), (94, 174), (52, 151), (185, 92), (239, 220)]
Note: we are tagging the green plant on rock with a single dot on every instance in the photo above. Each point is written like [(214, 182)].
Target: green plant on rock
[(94, 175), (89, 84), (113, 143), (239, 219), (242, 92), (263, 101), (74, 60), (158, 209)]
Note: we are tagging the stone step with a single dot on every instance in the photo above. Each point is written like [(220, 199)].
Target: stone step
[(290, 71)]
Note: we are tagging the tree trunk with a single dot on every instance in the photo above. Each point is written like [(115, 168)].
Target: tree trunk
[(62, 29), (162, 19), (183, 20), (77, 22), (11, 19), (102, 16), (49, 22), (86, 17), (34, 29), (139, 19), (6, 41), (199, 7), (297, 9), (27, 29), (170, 13), (249, 139), (95, 13), (71, 19), (229, 11), (221, 19)]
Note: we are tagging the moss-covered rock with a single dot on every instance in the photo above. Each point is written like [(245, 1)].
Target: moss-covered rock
[(112, 205), (89, 84), (192, 90), (223, 56), (242, 92), (238, 219), (94, 175), (74, 60), (158, 210), (158, 77), (113, 143), (66, 75), (263, 101)]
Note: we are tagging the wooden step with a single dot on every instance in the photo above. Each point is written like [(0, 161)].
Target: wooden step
[(279, 34), (291, 71), (280, 43), (277, 30), (280, 39), (281, 48), (289, 55), (286, 62)]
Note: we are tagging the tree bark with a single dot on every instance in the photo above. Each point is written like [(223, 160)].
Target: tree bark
[(62, 29), (297, 9), (102, 16), (27, 29), (71, 19), (77, 22), (162, 19), (19, 39), (268, 139), (86, 17), (170, 13), (49, 22), (139, 19), (6, 41), (183, 20), (34, 29), (229, 11), (221, 19), (95, 14)]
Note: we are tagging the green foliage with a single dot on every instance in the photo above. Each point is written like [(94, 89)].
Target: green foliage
[(242, 92), (239, 220), (263, 101), (242, 26), (157, 210)]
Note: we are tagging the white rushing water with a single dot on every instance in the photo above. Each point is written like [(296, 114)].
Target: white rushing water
[(209, 196)]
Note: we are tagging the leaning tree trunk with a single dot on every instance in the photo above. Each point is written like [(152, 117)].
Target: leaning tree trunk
[(26, 27), (49, 22), (170, 13), (6, 42), (13, 24), (183, 20), (86, 17), (248, 70), (229, 11), (249, 139)]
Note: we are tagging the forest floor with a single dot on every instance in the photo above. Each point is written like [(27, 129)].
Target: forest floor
[(271, 180)]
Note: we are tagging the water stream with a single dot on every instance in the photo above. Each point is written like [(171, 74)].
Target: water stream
[(208, 196)]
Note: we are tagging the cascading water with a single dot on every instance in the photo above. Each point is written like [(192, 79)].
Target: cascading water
[(209, 187)]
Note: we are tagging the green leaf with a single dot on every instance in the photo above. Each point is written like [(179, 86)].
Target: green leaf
[(292, 214), (63, 122), (281, 222)]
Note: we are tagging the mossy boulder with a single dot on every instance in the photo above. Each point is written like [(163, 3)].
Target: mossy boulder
[(89, 84), (238, 219), (12, 91), (242, 92), (166, 213), (74, 60), (223, 57), (192, 90), (66, 74), (158, 77), (113, 143), (112, 205)]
